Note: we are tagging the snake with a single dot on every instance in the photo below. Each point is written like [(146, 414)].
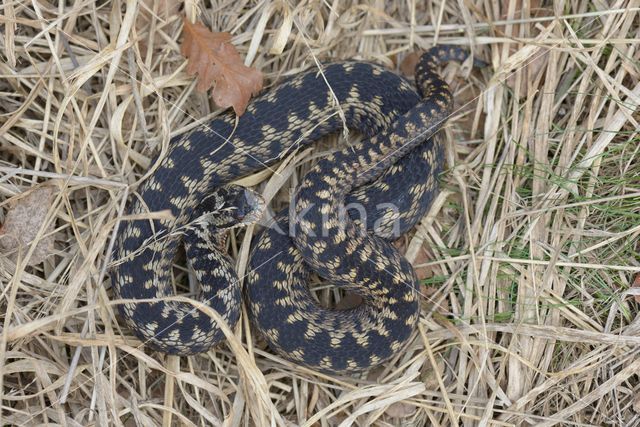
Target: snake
[(391, 175)]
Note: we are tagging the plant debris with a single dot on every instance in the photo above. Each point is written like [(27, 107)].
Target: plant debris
[(217, 63), (23, 223)]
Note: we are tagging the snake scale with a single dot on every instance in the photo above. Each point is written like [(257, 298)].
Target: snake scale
[(391, 174)]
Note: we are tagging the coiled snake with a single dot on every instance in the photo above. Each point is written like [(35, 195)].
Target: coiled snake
[(395, 120)]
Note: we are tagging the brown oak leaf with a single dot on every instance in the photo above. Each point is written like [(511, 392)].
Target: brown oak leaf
[(214, 59)]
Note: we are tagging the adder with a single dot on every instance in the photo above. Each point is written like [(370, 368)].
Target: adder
[(396, 166)]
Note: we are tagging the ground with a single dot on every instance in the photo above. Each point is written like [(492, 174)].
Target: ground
[(528, 255)]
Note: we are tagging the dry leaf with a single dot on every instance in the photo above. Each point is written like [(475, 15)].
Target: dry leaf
[(409, 63), (23, 222), (401, 410), (430, 376), (636, 404), (215, 59)]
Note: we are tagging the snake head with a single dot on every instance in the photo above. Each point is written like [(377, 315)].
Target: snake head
[(229, 207)]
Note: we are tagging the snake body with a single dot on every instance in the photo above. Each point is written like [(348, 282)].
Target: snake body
[(398, 162)]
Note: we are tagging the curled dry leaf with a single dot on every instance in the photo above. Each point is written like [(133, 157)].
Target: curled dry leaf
[(214, 59), (23, 222)]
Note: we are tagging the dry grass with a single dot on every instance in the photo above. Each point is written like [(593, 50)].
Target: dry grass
[(528, 253)]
